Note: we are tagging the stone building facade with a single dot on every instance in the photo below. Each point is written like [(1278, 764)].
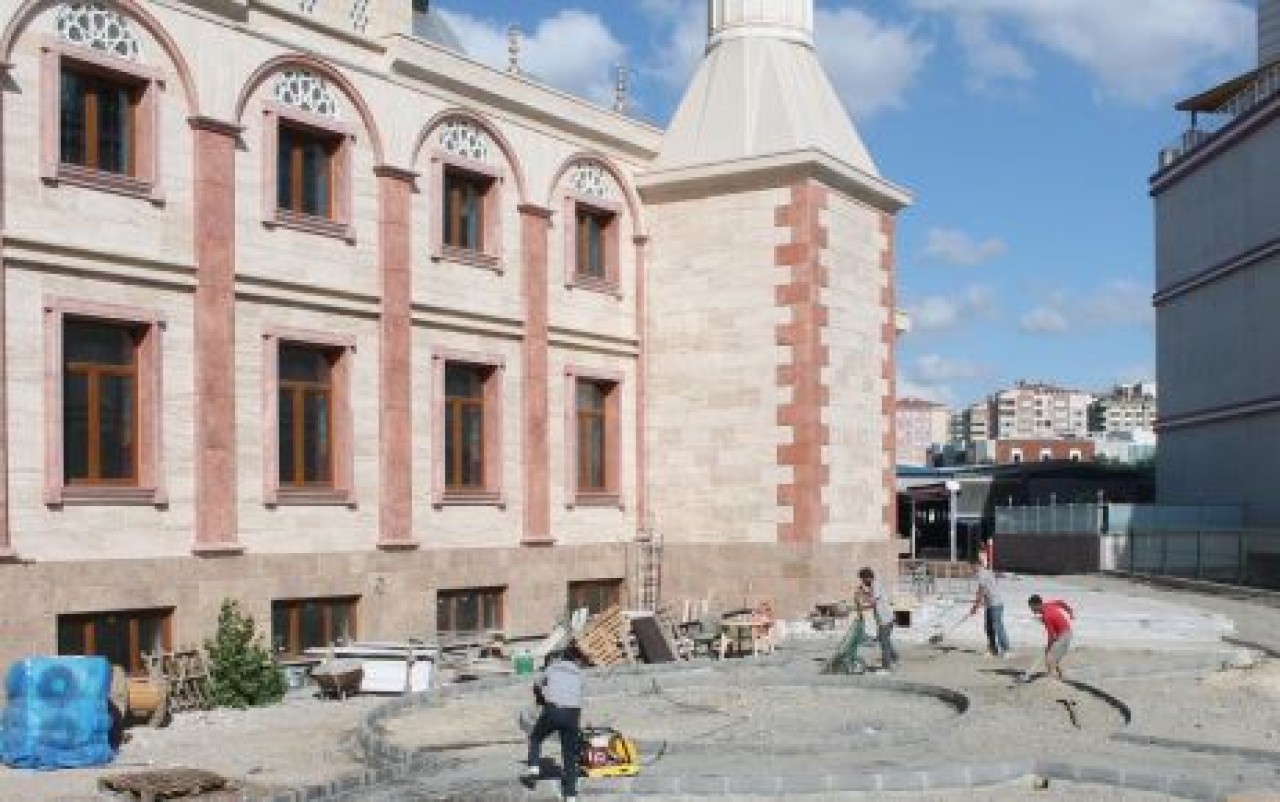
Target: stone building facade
[(303, 307)]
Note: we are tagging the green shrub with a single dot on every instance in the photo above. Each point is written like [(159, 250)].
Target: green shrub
[(244, 673)]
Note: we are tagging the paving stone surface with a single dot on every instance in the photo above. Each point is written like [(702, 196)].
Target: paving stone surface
[(1152, 721)]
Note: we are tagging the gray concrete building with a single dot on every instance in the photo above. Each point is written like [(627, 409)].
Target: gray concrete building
[(1217, 226)]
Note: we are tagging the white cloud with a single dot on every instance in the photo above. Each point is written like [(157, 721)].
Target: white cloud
[(1119, 303), (955, 247), (572, 50), (933, 377), (1044, 320), (1137, 50), (871, 64), (992, 60), (935, 369), (937, 393), (940, 312), (682, 29)]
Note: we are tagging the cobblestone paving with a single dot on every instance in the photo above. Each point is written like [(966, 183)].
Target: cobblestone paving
[(1186, 723)]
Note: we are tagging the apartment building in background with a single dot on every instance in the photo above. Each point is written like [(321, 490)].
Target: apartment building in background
[(1032, 410), (304, 306), (920, 424), (1126, 408)]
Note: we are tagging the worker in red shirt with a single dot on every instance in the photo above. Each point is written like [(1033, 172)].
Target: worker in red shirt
[(1056, 616)]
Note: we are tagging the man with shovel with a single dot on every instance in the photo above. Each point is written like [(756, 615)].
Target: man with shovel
[(1056, 616), (988, 598)]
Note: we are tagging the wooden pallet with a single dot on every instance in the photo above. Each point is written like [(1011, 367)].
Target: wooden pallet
[(603, 641), (185, 675), (152, 786)]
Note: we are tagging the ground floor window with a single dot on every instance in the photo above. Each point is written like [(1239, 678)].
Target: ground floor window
[(301, 624), (121, 636), (469, 610), (597, 595)]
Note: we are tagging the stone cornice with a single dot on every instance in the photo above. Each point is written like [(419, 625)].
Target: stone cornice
[(778, 170), (214, 125)]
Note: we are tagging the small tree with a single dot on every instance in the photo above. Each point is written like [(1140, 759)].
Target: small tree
[(244, 673)]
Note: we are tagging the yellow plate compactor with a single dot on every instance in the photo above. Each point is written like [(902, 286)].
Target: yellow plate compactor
[(605, 752)]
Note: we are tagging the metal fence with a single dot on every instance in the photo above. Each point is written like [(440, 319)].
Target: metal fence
[(1241, 557), (1082, 519), (1199, 542)]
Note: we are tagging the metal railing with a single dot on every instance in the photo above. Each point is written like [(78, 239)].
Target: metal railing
[(1262, 88), (1242, 557), (1084, 519)]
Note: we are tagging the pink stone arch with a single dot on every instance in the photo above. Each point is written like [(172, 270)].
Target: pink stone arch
[(475, 117), (275, 65), (628, 194), (30, 8)]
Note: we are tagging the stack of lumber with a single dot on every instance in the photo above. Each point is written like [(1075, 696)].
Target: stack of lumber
[(603, 641)]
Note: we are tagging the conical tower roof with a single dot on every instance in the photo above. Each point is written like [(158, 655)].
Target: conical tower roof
[(760, 91)]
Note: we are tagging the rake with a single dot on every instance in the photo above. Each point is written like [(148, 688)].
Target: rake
[(938, 637)]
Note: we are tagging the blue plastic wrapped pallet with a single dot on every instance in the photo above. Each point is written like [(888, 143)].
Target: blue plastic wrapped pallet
[(57, 715)]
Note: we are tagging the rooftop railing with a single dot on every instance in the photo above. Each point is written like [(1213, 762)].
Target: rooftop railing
[(1205, 125)]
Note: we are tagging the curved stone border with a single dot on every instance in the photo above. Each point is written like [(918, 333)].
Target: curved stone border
[(398, 763)]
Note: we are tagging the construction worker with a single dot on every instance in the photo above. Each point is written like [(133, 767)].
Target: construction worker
[(988, 598), (870, 595), (1056, 615), (558, 690)]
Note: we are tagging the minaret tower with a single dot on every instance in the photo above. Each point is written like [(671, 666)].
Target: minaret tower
[(771, 322)]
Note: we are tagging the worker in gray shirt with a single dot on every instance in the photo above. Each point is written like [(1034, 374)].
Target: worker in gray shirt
[(989, 599), (870, 595), (559, 692)]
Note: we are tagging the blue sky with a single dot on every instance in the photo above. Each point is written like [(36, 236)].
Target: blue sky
[(1027, 130)]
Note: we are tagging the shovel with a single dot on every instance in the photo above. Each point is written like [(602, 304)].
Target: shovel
[(938, 637)]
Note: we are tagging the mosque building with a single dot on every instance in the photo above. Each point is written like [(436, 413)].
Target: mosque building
[(302, 306)]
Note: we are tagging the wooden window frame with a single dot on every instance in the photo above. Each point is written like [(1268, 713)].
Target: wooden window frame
[(137, 666), (611, 494), (144, 181), (491, 494), (579, 585), (342, 488), (149, 488), (611, 283), (339, 223), (293, 607), (500, 591), (490, 253)]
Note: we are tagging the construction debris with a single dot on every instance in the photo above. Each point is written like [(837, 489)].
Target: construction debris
[(604, 641), (185, 674), (152, 786)]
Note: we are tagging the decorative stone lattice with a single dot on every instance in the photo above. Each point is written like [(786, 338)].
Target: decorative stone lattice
[(465, 139), (360, 15), (590, 180), (307, 91), (94, 25)]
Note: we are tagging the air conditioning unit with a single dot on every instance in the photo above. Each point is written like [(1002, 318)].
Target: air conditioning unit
[(1167, 157)]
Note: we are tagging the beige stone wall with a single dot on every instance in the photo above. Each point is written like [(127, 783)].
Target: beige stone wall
[(466, 526), (713, 388), (855, 496), (127, 250), (78, 218), (397, 590), (41, 532), (302, 529)]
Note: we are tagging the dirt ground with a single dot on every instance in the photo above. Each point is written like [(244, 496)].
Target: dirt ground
[(262, 750)]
